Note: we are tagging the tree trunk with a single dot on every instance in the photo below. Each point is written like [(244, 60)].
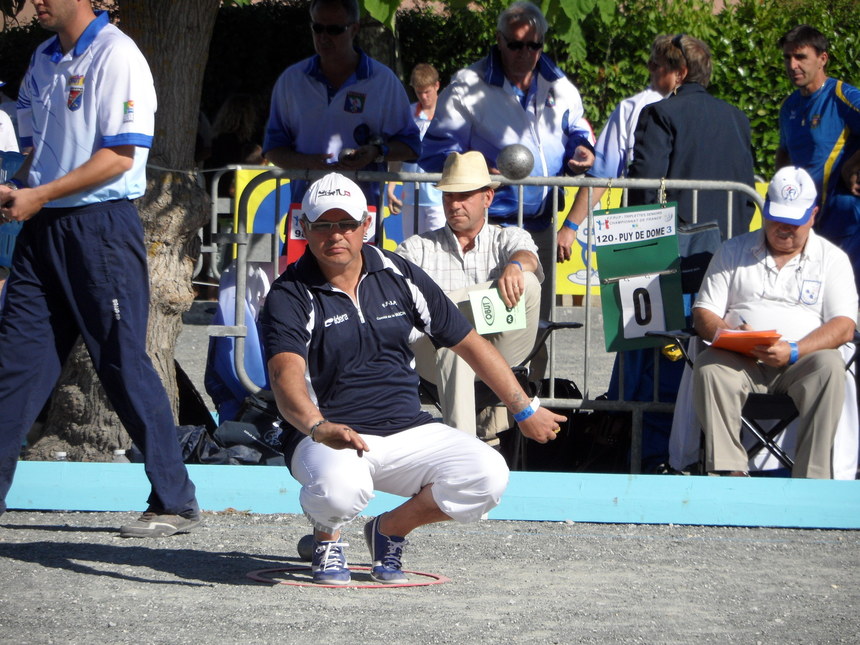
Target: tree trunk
[(174, 37)]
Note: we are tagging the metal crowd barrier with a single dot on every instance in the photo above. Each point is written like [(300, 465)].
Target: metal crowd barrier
[(264, 248)]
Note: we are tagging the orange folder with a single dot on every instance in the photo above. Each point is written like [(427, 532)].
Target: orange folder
[(743, 341)]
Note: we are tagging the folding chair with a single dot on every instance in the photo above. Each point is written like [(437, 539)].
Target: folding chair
[(485, 397), (764, 417), (766, 420)]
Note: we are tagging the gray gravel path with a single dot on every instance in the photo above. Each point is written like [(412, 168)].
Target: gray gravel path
[(68, 578)]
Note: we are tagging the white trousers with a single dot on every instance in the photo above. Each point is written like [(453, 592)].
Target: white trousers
[(468, 476)]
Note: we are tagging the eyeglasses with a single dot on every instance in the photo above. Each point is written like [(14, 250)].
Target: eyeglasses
[(331, 30), (343, 226), (517, 45)]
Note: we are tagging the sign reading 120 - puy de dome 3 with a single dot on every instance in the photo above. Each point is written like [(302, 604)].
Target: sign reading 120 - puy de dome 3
[(640, 278)]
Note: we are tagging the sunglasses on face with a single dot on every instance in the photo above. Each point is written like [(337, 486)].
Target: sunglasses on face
[(331, 30), (343, 226), (517, 45)]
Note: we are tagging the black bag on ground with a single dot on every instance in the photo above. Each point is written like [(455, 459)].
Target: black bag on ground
[(555, 456), (593, 442)]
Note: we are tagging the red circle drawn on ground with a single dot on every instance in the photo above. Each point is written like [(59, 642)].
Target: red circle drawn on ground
[(260, 576)]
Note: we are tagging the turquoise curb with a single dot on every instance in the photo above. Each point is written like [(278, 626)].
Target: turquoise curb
[(623, 499)]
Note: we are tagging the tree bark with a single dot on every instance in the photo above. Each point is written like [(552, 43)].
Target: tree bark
[(174, 37)]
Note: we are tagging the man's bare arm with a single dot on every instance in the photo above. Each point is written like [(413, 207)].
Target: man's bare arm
[(105, 164), (492, 369), (287, 376)]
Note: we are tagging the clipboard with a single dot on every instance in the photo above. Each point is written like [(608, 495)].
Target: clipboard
[(736, 340)]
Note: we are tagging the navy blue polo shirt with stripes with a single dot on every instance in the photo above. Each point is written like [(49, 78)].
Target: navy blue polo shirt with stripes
[(360, 366)]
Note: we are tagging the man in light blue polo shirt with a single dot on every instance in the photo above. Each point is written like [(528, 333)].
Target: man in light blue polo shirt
[(87, 108), (339, 110)]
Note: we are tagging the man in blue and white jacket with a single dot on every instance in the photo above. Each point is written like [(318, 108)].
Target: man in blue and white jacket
[(515, 95)]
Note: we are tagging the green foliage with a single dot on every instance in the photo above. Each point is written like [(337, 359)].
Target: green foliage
[(449, 41), (602, 45), (605, 52), (250, 48), (16, 48)]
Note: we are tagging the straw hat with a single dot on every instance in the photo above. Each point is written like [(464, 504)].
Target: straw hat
[(465, 172)]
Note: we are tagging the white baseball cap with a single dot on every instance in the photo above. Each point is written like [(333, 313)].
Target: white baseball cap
[(334, 191), (790, 197)]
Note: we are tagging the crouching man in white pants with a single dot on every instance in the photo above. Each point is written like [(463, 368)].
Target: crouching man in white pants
[(337, 326)]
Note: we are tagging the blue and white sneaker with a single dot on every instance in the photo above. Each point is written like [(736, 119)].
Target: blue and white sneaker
[(385, 551), (329, 563)]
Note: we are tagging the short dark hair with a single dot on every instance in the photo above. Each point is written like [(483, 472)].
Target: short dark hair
[(350, 6), (804, 35)]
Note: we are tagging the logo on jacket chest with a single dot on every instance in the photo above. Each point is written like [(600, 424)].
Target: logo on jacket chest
[(335, 320)]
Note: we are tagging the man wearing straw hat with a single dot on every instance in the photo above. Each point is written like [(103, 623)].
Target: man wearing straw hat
[(469, 254)]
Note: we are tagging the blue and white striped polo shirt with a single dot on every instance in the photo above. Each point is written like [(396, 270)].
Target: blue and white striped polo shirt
[(98, 95)]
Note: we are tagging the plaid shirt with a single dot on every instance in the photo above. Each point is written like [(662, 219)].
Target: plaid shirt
[(440, 255)]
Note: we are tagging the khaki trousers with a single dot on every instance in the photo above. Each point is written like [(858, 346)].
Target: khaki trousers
[(455, 380), (816, 383)]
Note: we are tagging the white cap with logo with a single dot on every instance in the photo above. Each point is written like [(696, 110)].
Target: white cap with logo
[(790, 197), (331, 192)]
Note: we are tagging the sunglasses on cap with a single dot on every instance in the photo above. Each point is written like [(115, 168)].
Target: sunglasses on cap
[(331, 30), (343, 226), (517, 45)]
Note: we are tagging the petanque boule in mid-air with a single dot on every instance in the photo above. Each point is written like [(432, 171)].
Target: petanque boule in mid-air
[(515, 161)]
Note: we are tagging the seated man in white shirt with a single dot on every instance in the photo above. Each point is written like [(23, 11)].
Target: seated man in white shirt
[(469, 254), (787, 278)]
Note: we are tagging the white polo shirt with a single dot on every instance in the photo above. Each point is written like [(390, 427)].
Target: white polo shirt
[(613, 152), (98, 95), (311, 117), (812, 288)]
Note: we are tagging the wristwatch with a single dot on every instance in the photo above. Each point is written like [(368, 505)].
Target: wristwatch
[(383, 149)]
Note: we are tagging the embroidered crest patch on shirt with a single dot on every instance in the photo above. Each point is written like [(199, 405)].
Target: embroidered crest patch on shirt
[(128, 112), (809, 291), (76, 92), (354, 102)]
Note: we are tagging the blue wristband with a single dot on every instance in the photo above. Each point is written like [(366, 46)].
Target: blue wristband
[(528, 411), (571, 225), (517, 263), (795, 354), (17, 183)]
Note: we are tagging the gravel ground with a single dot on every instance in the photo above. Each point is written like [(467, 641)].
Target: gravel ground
[(68, 578)]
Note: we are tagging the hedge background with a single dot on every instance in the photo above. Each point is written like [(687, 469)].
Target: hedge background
[(251, 45)]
